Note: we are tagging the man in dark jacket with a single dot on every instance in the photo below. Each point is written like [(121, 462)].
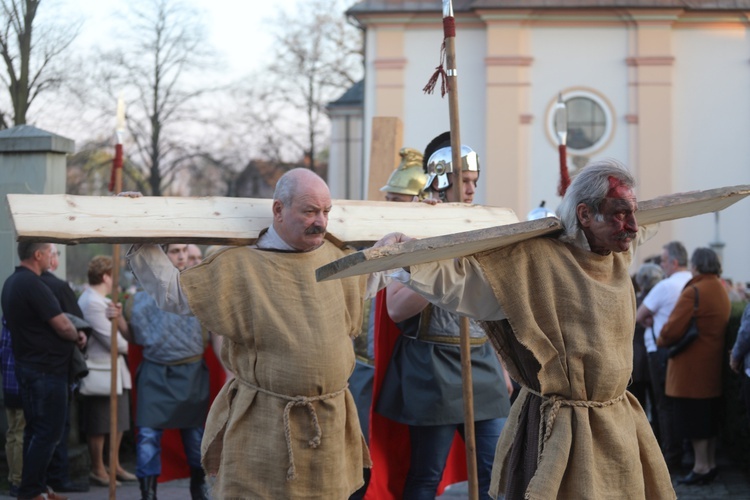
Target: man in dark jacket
[(58, 473)]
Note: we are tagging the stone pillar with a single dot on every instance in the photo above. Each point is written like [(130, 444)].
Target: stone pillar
[(32, 161), (508, 66), (650, 80)]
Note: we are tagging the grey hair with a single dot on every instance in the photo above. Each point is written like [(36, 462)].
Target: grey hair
[(705, 261), (648, 275), (590, 186), (676, 251)]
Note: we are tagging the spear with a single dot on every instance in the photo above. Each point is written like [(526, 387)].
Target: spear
[(449, 83), (115, 186), (561, 131)]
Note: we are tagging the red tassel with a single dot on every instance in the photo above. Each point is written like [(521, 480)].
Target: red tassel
[(116, 163), (564, 176), (439, 73)]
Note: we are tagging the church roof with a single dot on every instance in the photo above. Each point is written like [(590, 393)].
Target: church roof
[(371, 6), (354, 95)]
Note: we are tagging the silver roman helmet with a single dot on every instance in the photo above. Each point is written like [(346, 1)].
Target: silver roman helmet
[(440, 164)]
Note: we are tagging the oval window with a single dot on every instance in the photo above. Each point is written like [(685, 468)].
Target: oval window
[(589, 121)]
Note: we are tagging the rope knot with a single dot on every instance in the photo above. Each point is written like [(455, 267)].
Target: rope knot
[(292, 401), (554, 402)]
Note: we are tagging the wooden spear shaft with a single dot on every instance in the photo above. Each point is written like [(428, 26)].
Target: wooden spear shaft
[(449, 30), (116, 187)]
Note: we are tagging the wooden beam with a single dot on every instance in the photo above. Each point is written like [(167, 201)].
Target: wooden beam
[(689, 204), (660, 209), (72, 219), (437, 248), (387, 140)]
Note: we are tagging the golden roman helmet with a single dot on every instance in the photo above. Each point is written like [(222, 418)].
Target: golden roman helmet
[(408, 178)]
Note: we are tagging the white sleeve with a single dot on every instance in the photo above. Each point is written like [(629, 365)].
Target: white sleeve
[(375, 282), (457, 285), (158, 277)]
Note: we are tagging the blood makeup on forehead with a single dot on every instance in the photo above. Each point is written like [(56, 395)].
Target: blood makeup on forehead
[(617, 188)]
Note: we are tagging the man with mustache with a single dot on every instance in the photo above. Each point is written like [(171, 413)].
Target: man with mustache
[(286, 426), (561, 313)]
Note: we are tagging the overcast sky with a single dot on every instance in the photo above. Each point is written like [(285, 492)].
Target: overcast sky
[(235, 27)]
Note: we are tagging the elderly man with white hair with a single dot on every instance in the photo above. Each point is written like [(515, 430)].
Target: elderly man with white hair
[(561, 313)]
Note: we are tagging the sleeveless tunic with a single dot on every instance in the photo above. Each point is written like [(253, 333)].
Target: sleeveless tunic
[(288, 341), (574, 431)]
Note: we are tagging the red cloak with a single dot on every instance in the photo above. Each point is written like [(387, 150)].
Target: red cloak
[(389, 440)]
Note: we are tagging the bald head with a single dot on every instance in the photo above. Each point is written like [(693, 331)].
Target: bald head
[(295, 180), (54, 262), (301, 204)]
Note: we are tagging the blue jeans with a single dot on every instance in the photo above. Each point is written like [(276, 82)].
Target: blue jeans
[(44, 397), (148, 449), (58, 470), (430, 445)]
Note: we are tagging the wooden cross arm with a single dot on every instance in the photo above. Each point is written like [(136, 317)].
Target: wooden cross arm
[(433, 249), (72, 219), (661, 209)]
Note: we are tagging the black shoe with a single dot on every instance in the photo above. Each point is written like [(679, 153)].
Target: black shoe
[(198, 486), (148, 487), (712, 474), (696, 478), (13, 490), (68, 487)]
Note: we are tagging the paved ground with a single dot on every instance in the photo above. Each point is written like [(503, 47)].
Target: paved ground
[(733, 482)]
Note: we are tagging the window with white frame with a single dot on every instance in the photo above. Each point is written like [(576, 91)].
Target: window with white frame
[(590, 123)]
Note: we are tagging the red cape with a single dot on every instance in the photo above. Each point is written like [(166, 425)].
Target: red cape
[(389, 440), (173, 460)]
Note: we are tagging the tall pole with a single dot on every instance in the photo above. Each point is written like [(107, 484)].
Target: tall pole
[(449, 32), (561, 131), (115, 186)]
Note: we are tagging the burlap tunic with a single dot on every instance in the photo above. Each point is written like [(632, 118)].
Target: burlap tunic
[(569, 337), (287, 338)]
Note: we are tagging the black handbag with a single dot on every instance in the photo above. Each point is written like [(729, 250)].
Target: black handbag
[(690, 334), (78, 368)]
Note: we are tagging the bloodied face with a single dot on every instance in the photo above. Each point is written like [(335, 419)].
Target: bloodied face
[(614, 227)]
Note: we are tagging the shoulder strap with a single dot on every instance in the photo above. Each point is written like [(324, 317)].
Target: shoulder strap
[(695, 305), (424, 321)]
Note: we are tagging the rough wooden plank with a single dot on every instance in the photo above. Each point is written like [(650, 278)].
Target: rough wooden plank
[(226, 221), (689, 204), (436, 248), (660, 209), (387, 138)]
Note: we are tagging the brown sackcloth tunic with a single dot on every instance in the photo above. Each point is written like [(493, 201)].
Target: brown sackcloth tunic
[(290, 336), (569, 336)]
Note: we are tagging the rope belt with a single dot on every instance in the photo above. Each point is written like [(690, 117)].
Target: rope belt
[(306, 401), (554, 403)]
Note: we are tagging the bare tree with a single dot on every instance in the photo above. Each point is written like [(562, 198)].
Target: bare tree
[(32, 53), (159, 70), (317, 56)]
